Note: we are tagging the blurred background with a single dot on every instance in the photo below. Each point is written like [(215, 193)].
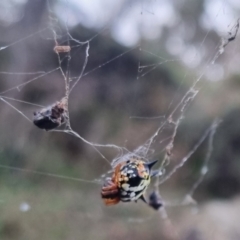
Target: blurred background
[(143, 57)]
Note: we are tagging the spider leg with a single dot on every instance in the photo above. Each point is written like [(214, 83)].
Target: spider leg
[(110, 201), (110, 193)]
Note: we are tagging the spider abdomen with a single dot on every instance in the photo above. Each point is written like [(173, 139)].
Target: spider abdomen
[(128, 183)]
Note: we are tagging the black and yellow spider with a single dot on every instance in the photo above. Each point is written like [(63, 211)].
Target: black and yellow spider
[(129, 181)]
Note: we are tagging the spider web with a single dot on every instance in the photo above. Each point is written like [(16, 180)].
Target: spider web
[(162, 139)]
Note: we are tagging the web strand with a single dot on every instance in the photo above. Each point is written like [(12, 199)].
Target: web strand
[(49, 174)]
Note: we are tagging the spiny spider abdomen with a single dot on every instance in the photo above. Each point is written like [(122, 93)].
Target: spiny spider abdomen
[(128, 183)]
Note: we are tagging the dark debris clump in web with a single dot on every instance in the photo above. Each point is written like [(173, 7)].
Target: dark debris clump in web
[(155, 200), (52, 116)]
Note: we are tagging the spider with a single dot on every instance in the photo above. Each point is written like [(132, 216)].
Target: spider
[(52, 116), (129, 182)]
